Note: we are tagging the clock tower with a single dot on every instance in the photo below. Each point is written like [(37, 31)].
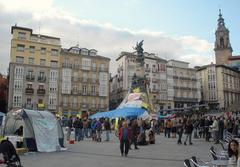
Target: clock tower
[(223, 49)]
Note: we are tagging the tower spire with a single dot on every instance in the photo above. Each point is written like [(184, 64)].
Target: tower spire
[(220, 19)]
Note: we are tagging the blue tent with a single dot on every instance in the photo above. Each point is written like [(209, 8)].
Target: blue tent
[(119, 113)]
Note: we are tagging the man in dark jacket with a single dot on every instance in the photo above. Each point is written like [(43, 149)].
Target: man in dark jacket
[(135, 131), (107, 127), (69, 126), (188, 131)]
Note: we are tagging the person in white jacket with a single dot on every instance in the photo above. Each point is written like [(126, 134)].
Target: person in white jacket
[(214, 127)]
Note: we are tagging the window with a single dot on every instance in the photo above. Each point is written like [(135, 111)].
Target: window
[(93, 88), (17, 101), (41, 87), (94, 66), (32, 49), (43, 51), (19, 60), (54, 52), (29, 86), (20, 47), (53, 63), (30, 60), (40, 101), (42, 62), (41, 74), (102, 66), (84, 88), (19, 72), (86, 64), (21, 35), (29, 101), (85, 77)]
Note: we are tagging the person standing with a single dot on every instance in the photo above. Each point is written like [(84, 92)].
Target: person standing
[(76, 126), (124, 138), (188, 131), (99, 130), (215, 130), (107, 127), (179, 131), (135, 132), (69, 126), (221, 128)]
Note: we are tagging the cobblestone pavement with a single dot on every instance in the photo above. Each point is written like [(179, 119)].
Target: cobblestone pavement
[(165, 153)]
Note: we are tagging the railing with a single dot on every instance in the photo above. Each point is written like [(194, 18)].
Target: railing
[(41, 91), (102, 69), (84, 105), (52, 107), (29, 91), (185, 99), (147, 69), (75, 91), (74, 106), (67, 65), (41, 79), (30, 77)]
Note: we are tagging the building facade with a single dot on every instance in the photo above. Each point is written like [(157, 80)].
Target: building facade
[(84, 83), (34, 70), (3, 93), (155, 71), (220, 86), (182, 85)]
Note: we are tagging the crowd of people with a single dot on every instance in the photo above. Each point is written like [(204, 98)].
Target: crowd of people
[(141, 132)]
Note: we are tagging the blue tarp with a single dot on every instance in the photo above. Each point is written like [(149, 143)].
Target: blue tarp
[(119, 113)]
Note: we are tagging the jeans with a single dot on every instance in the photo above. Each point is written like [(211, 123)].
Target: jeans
[(188, 136), (81, 136), (126, 144), (107, 135), (85, 130), (77, 134), (180, 137)]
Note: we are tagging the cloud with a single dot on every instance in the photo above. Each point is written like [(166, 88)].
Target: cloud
[(104, 37)]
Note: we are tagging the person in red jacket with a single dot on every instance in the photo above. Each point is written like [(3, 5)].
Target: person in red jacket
[(124, 137)]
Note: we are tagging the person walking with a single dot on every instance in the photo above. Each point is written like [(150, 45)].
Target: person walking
[(107, 127), (99, 130), (188, 131), (124, 138)]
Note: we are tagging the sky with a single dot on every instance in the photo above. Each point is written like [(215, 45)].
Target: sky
[(172, 29)]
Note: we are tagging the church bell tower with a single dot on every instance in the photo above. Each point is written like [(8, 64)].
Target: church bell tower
[(223, 49)]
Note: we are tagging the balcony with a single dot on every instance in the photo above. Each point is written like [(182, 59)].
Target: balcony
[(67, 65), (94, 68), (154, 80), (30, 77), (94, 80), (84, 93), (65, 105), (41, 91), (185, 99), (102, 107), (155, 90), (74, 106), (93, 93), (28, 106), (154, 70), (102, 69), (147, 69), (29, 91), (85, 80), (84, 105), (41, 79), (75, 92), (52, 107)]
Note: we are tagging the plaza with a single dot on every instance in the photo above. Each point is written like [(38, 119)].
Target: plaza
[(165, 153)]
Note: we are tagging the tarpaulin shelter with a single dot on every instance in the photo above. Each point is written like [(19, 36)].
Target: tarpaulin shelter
[(41, 130), (120, 113)]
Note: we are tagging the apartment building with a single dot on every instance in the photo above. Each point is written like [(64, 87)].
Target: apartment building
[(84, 81), (182, 84), (155, 71), (220, 86), (33, 70)]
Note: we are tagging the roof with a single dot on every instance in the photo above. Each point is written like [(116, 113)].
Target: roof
[(234, 58), (29, 29), (221, 65)]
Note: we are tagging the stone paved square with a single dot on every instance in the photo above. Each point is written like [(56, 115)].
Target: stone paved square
[(165, 153)]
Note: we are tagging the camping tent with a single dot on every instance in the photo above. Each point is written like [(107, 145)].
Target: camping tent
[(41, 130), (120, 113)]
